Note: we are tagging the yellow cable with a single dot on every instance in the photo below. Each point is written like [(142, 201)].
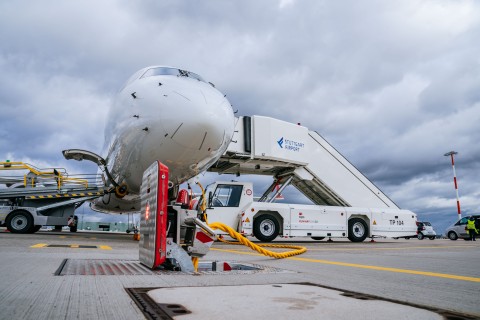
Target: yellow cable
[(259, 247), (242, 240), (195, 263)]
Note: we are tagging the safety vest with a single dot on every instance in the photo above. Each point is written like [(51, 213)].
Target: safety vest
[(471, 224)]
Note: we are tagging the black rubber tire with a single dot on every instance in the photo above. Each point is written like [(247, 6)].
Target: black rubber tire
[(35, 229), (318, 238), (357, 230), (452, 236), (432, 238), (20, 221), (73, 229), (407, 238), (266, 228), (420, 236)]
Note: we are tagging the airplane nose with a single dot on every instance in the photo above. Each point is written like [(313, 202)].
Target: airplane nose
[(203, 120)]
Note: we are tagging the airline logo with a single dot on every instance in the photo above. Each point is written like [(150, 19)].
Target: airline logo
[(290, 145), (280, 142)]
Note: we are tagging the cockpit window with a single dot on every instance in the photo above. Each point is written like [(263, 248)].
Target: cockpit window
[(162, 71), (195, 76)]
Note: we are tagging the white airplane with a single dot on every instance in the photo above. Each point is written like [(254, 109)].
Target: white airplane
[(166, 114)]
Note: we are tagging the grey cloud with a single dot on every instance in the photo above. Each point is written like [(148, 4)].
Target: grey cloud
[(391, 85)]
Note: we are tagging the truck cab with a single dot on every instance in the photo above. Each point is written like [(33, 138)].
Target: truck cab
[(227, 201)]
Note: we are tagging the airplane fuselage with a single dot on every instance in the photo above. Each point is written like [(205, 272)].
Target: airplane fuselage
[(164, 114)]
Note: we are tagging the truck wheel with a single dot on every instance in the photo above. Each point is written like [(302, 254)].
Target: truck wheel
[(318, 238), (432, 238), (34, 229), (452, 235), (266, 228), (20, 222), (420, 236), (73, 229), (357, 230)]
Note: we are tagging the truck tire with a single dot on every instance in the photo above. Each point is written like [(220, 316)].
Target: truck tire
[(34, 229), (357, 230), (420, 236), (266, 228), (73, 229), (432, 238), (318, 238), (452, 235), (20, 222)]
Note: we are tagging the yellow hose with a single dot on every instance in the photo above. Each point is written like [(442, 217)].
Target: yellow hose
[(242, 240), (259, 247)]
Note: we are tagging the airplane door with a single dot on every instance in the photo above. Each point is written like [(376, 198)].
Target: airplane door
[(153, 216)]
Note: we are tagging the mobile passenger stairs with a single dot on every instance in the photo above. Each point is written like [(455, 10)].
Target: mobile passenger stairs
[(293, 154), (41, 197)]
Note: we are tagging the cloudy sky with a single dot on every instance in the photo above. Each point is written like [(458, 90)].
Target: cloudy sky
[(393, 85)]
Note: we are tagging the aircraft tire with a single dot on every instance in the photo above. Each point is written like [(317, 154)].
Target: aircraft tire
[(20, 221), (266, 227), (357, 230)]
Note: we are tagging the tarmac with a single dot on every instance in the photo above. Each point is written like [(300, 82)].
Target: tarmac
[(88, 275)]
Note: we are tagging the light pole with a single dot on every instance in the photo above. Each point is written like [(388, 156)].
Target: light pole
[(451, 153)]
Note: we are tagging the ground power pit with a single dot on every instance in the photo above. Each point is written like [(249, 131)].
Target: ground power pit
[(105, 267)]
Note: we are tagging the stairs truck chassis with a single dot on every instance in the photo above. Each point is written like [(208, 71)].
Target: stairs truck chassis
[(232, 203)]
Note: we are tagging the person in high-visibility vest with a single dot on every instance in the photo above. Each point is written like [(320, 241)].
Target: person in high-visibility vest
[(472, 231)]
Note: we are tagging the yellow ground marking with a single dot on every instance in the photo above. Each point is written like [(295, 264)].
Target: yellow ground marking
[(384, 248), (39, 245), (364, 266), (62, 237), (390, 248), (73, 246)]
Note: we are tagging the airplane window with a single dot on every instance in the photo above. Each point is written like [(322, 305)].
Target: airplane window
[(192, 75), (195, 76), (161, 72)]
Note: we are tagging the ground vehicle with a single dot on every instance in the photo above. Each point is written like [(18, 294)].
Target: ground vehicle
[(457, 230), (232, 204), (425, 229), (41, 197)]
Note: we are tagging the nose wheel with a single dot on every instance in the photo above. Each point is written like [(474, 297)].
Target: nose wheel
[(121, 191)]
